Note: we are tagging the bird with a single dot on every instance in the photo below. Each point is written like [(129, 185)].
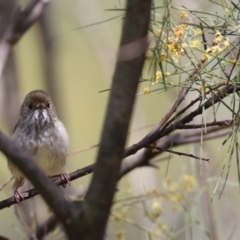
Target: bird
[(40, 133)]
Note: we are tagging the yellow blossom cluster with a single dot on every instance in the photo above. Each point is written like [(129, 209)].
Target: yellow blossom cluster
[(175, 46), (173, 191), (220, 43), (146, 90), (188, 182), (183, 14), (155, 211), (179, 30), (176, 190), (159, 75)]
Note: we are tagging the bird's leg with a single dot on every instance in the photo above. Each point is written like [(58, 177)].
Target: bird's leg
[(17, 195), (64, 177)]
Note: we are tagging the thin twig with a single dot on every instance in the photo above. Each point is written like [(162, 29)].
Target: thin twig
[(234, 64), (226, 122), (6, 183), (83, 150), (153, 148), (203, 37)]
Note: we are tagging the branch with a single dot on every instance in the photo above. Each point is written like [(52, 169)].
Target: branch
[(131, 56), (49, 225), (157, 149), (22, 21), (226, 122), (59, 182), (156, 134)]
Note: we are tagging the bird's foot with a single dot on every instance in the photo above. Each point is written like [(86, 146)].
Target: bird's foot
[(66, 179), (18, 197)]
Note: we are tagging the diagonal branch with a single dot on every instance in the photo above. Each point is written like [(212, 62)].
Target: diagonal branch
[(22, 21), (156, 134)]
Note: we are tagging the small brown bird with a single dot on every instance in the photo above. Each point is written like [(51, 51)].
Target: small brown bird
[(42, 134)]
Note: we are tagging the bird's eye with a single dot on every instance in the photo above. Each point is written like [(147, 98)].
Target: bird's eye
[(30, 106), (48, 105)]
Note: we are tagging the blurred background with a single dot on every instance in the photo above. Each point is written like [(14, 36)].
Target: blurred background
[(72, 58)]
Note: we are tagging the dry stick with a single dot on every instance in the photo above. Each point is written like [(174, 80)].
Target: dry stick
[(153, 148), (83, 150), (226, 122), (203, 37), (169, 141), (22, 21)]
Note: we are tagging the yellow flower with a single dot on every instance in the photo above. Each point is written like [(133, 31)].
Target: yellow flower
[(162, 226), (173, 47), (146, 90), (206, 54), (226, 43), (216, 49), (197, 31), (189, 181), (158, 32), (162, 57), (172, 188), (158, 75), (218, 37), (179, 30), (183, 14), (218, 34), (184, 45), (178, 197), (156, 210), (195, 43)]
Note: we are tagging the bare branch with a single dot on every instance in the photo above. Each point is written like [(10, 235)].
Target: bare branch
[(22, 21), (156, 134), (156, 149), (128, 69), (60, 181)]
